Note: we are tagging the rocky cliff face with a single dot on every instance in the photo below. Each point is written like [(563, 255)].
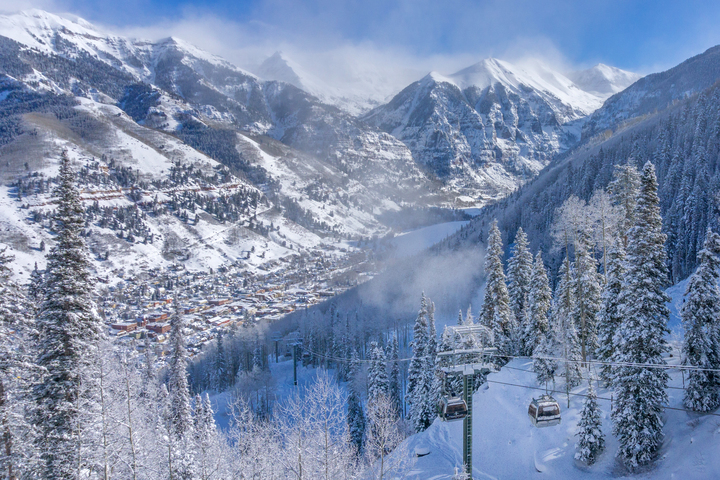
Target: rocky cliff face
[(488, 128)]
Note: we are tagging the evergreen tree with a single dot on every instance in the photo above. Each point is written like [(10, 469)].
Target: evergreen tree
[(394, 373), (178, 389), (591, 441), (356, 421), (700, 314), (519, 277), (378, 382), (586, 286), (69, 333), (207, 444), (418, 388), (496, 313), (35, 289), (433, 379), (640, 337), (468, 317), (539, 302), (565, 330), (609, 317), (543, 364), (16, 374), (624, 189), (220, 370)]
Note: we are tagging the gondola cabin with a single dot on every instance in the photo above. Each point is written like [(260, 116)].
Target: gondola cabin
[(453, 408), (544, 411)]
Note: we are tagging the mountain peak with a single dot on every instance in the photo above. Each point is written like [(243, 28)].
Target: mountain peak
[(278, 67), (603, 80)]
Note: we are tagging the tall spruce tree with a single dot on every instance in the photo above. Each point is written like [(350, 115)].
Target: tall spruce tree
[(591, 441), (378, 382), (624, 189), (539, 303), (394, 373), (356, 421), (178, 389), (418, 387), (565, 329), (496, 313), (17, 373), (433, 379), (587, 289), (519, 278), (69, 333), (640, 337), (700, 316), (610, 316)]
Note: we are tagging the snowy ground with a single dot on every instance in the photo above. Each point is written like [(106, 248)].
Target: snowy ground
[(507, 446)]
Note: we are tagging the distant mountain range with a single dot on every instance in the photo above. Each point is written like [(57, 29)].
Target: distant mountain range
[(327, 163)]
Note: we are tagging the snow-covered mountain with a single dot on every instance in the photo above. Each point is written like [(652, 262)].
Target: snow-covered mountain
[(657, 91), (603, 80), (208, 143), (488, 128)]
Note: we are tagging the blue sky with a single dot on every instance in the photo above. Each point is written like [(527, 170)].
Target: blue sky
[(636, 35)]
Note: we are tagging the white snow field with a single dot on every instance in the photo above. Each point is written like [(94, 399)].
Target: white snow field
[(507, 446)]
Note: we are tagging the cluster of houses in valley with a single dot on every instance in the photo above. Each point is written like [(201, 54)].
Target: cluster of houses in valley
[(139, 309)]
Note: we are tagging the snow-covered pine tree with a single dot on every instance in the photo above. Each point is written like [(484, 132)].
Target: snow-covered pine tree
[(587, 289), (518, 276), (394, 373), (178, 389), (468, 317), (433, 379), (35, 289), (16, 376), (543, 364), (496, 313), (564, 324), (452, 385), (356, 421), (417, 385), (591, 441), (640, 337), (378, 382), (208, 447), (69, 332), (539, 303), (609, 316), (700, 314), (220, 369), (624, 189)]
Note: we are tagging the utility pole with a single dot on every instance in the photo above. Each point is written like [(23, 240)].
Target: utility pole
[(468, 388)]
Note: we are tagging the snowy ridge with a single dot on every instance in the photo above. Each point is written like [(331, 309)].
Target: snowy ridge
[(551, 85)]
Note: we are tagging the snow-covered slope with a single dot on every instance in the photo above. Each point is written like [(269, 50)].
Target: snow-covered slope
[(657, 91), (565, 97), (603, 80), (506, 445)]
